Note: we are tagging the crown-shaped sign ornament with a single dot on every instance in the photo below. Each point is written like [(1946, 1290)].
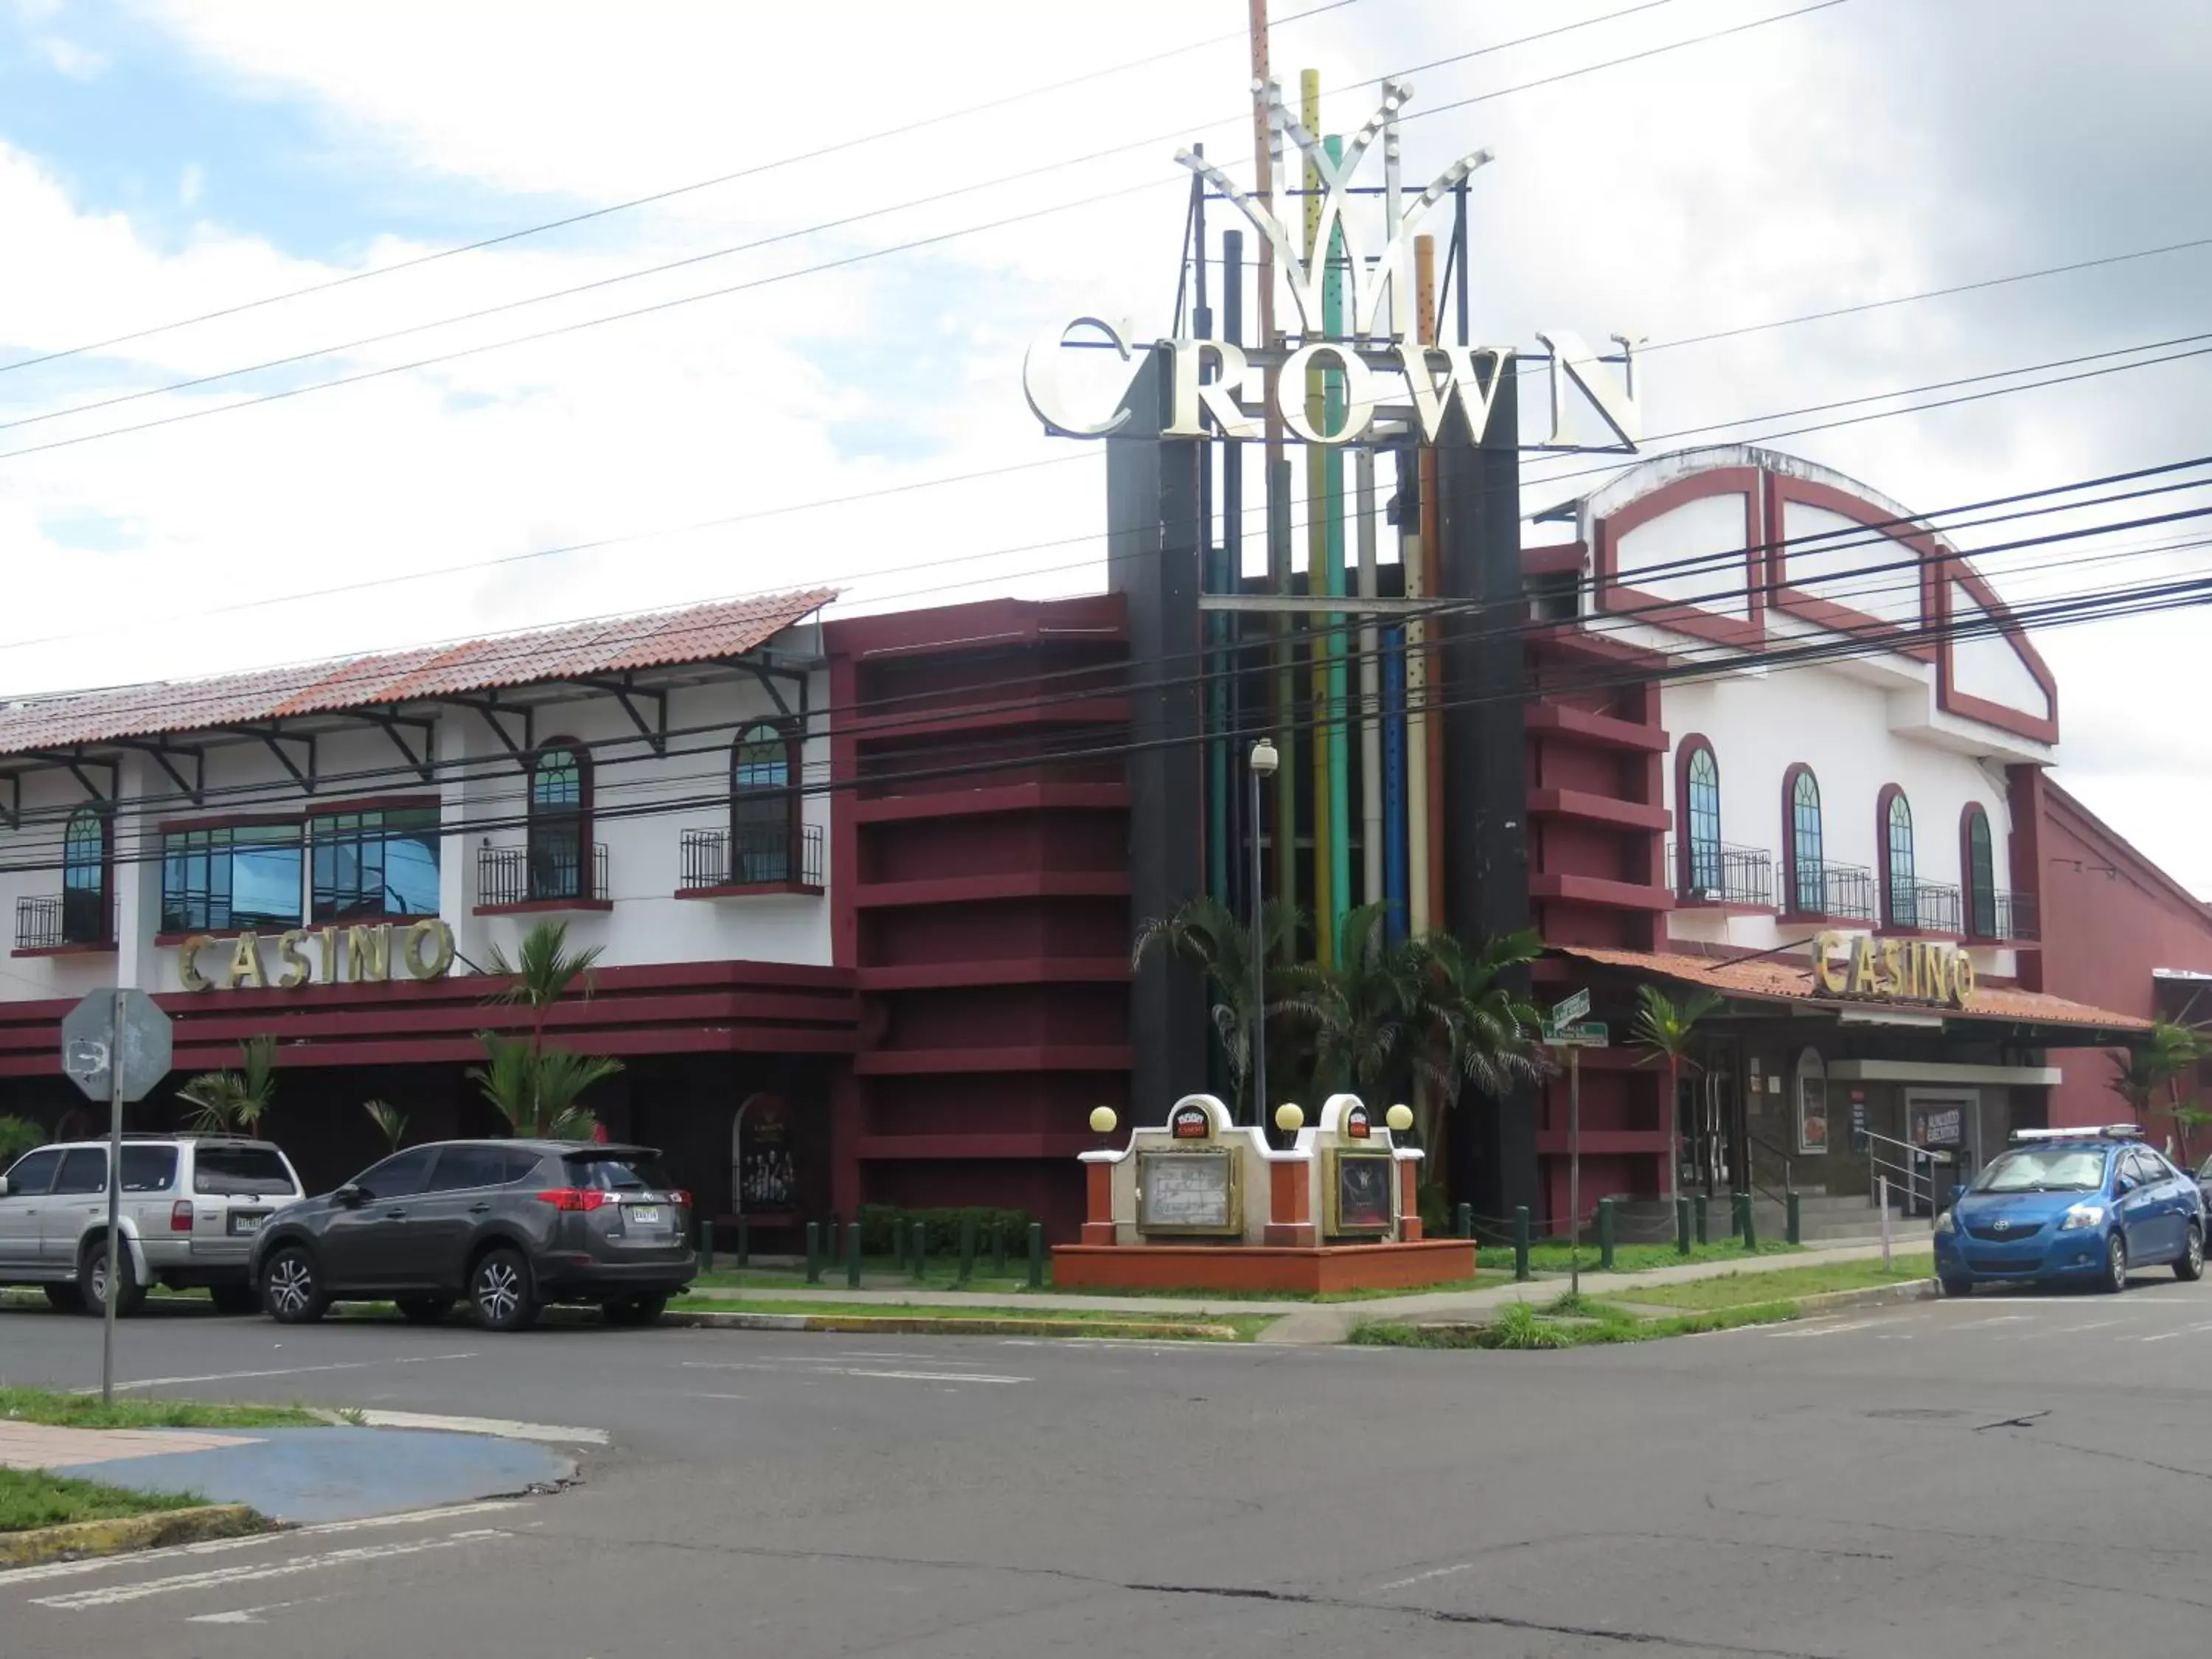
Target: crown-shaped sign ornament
[(1437, 377)]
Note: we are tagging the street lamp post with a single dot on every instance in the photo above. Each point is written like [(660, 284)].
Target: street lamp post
[(1262, 764)]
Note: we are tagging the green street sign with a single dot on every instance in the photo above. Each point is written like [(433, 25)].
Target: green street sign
[(1586, 1034), (1568, 1008)]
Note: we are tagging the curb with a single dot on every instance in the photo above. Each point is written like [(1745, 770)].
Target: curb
[(1874, 1296), (914, 1324), (82, 1539)]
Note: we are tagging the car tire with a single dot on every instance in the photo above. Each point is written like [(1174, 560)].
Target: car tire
[(426, 1309), (91, 1282), (235, 1299), (64, 1298), (2189, 1266), (635, 1309), (1956, 1287), (292, 1291), (2115, 1278), (500, 1292)]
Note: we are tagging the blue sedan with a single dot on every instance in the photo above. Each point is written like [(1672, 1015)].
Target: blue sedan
[(2085, 1207)]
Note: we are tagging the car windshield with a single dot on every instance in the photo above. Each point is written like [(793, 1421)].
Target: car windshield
[(618, 1174), (2045, 1169)]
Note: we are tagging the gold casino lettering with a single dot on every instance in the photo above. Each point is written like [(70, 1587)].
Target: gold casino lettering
[(362, 954), (1892, 970)]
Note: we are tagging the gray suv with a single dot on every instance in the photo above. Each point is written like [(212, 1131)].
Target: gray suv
[(190, 1205), (509, 1224)]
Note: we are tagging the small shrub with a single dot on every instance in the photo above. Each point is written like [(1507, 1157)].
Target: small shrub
[(1517, 1327), (942, 1227)]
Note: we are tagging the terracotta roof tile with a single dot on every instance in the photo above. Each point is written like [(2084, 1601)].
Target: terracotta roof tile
[(657, 639), (1785, 980)]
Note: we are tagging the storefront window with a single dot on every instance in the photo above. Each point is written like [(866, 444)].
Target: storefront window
[(1899, 906), (232, 876), (1812, 1093), (1807, 884), (1701, 817), (381, 863), (1981, 876), (84, 877)]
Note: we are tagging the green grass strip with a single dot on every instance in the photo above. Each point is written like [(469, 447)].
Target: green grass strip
[(1739, 1290), (81, 1410), (32, 1498)]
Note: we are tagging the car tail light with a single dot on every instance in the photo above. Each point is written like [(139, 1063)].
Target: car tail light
[(572, 1197), (180, 1216), (681, 1198)]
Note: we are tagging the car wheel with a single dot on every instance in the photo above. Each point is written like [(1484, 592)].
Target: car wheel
[(64, 1297), (235, 1299), (500, 1292), (1958, 1286), (2116, 1265), (292, 1291), (2189, 1266), (426, 1309), (636, 1310), (91, 1282)]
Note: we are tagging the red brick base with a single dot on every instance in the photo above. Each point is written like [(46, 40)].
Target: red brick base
[(1233, 1268)]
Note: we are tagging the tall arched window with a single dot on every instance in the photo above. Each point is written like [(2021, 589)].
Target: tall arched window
[(1978, 864), (560, 822), (1901, 905), (763, 808), (1697, 803), (84, 877), (1806, 877)]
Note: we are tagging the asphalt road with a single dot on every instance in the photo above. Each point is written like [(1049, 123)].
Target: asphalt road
[(2018, 1475)]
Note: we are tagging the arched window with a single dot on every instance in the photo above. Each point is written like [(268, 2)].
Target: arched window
[(1698, 805), (84, 877), (1901, 905), (560, 822), (1806, 876), (1978, 864), (764, 807)]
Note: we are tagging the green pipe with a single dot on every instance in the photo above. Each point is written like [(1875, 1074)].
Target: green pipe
[(1335, 399)]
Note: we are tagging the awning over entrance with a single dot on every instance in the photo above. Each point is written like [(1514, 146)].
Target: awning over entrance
[(2029, 1016)]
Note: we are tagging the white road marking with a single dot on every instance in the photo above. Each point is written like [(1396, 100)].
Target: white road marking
[(1422, 1577), (2163, 1336), (2094, 1325), (252, 1615), (293, 1370), (502, 1428), (180, 1583), (224, 1546), (2001, 1319), (717, 1396), (854, 1370), (1840, 1329)]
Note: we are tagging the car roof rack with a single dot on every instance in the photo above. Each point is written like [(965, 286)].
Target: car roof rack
[(2088, 1132)]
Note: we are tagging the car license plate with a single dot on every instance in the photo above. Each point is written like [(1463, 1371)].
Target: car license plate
[(646, 1215), (247, 1221)]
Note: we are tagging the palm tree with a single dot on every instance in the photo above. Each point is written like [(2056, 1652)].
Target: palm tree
[(1367, 1009), (1209, 934), (2172, 1053), (230, 1103), (1474, 1027), (536, 1089), (1665, 1029), (18, 1135), (391, 1122)]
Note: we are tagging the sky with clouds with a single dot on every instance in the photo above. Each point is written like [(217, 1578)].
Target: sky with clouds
[(826, 338)]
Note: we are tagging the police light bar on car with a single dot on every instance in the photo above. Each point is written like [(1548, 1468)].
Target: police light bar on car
[(2107, 1132)]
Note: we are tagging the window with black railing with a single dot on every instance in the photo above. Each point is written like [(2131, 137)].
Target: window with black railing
[(51, 922), (764, 856), (2010, 916), (1847, 892), (1718, 874), (543, 871), (1932, 907)]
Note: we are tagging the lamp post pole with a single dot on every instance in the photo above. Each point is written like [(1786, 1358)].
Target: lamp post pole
[(1261, 765)]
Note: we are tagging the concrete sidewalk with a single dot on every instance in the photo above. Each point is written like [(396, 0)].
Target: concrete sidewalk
[(1323, 1322), (292, 1475)]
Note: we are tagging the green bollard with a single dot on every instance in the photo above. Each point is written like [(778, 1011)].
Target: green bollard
[(835, 1238), (853, 1256), (1701, 1210), (1793, 1218), (1682, 1226), (1036, 1256), (1463, 1221), (999, 1249), (745, 1242), (706, 1246), (1750, 1223), (1605, 1235), (967, 1249), (918, 1250), (898, 1243), (814, 1253), (1521, 1242)]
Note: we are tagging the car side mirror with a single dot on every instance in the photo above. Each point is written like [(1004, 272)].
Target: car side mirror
[(2122, 1186), (350, 1195)]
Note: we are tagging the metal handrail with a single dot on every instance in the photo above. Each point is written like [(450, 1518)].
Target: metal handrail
[(1910, 1170), (1751, 1143)]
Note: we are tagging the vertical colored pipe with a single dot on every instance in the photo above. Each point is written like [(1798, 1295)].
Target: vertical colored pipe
[(1324, 901), (1372, 890), (1431, 759), (1230, 715), (1340, 745), (1393, 781), (1213, 624), (1417, 629)]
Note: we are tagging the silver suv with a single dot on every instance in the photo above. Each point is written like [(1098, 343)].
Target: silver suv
[(191, 1205)]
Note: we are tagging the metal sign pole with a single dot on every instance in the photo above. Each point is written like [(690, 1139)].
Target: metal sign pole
[(1575, 1170), (115, 1206)]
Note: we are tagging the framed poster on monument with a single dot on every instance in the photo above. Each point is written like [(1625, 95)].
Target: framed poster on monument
[(1358, 1195), (1192, 1192)]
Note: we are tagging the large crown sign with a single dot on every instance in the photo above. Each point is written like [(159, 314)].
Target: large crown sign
[(1365, 286)]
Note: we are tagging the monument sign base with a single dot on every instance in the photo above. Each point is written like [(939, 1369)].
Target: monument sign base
[(1236, 1269)]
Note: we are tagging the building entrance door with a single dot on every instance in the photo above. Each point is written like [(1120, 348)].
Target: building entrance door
[(1712, 1127)]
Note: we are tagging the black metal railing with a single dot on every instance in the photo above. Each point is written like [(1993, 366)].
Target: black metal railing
[(53, 922), (761, 856), (2001, 916), (1720, 874), (551, 871), (1846, 891), (1930, 906)]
